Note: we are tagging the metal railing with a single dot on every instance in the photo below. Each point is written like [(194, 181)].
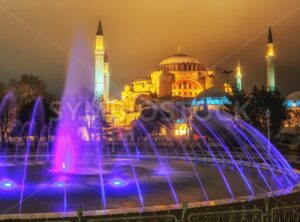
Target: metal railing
[(286, 214), (152, 218), (253, 215)]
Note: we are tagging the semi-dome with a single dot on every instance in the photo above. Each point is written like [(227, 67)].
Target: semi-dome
[(181, 62), (294, 96), (293, 100), (211, 93)]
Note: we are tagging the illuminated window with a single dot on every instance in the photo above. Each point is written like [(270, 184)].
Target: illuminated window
[(195, 87), (185, 93), (184, 85), (179, 93), (191, 94), (181, 128), (179, 85)]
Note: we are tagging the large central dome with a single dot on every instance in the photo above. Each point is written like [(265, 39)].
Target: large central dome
[(181, 62)]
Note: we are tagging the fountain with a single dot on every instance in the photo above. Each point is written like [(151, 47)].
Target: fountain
[(141, 177), (233, 163)]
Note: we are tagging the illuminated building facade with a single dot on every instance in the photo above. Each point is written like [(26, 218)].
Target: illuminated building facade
[(181, 128), (270, 57), (238, 75), (101, 67), (293, 103), (290, 134), (179, 76), (106, 78)]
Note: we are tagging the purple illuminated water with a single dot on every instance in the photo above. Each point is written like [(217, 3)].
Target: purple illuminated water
[(122, 174), (103, 174), (66, 145)]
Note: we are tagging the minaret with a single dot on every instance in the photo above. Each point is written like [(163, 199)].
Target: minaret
[(106, 77), (99, 62), (270, 57), (238, 75)]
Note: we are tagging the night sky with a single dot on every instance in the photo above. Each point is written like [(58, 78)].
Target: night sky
[(46, 37)]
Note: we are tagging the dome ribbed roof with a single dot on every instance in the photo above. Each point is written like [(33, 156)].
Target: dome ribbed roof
[(179, 58), (181, 62)]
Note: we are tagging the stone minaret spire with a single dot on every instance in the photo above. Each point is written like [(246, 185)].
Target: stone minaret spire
[(99, 63), (270, 57), (238, 75), (106, 77)]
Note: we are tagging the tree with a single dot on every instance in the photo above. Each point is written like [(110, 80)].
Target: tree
[(17, 101), (7, 112), (237, 103), (42, 118), (2, 90), (253, 107), (27, 89), (260, 100), (92, 117), (151, 121)]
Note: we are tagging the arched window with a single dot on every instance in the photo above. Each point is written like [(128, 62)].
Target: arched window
[(181, 66), (188, 67), (184, 85)]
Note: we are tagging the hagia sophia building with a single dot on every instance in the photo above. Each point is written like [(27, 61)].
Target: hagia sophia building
[(179, 77)]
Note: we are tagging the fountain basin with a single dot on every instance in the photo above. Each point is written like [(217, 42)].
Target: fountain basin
[(52, 192)]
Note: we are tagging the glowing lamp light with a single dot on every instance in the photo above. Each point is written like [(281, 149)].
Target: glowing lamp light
[(59, 184), (118, 183), (7, 184), (64, 166)]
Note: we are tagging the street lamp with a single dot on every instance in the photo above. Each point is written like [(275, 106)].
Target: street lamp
[(227, 72), (79, 213), (268, 115)]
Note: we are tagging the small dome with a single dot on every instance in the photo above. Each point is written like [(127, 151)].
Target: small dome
[(212, 93), (294, 96), (180, 62)]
